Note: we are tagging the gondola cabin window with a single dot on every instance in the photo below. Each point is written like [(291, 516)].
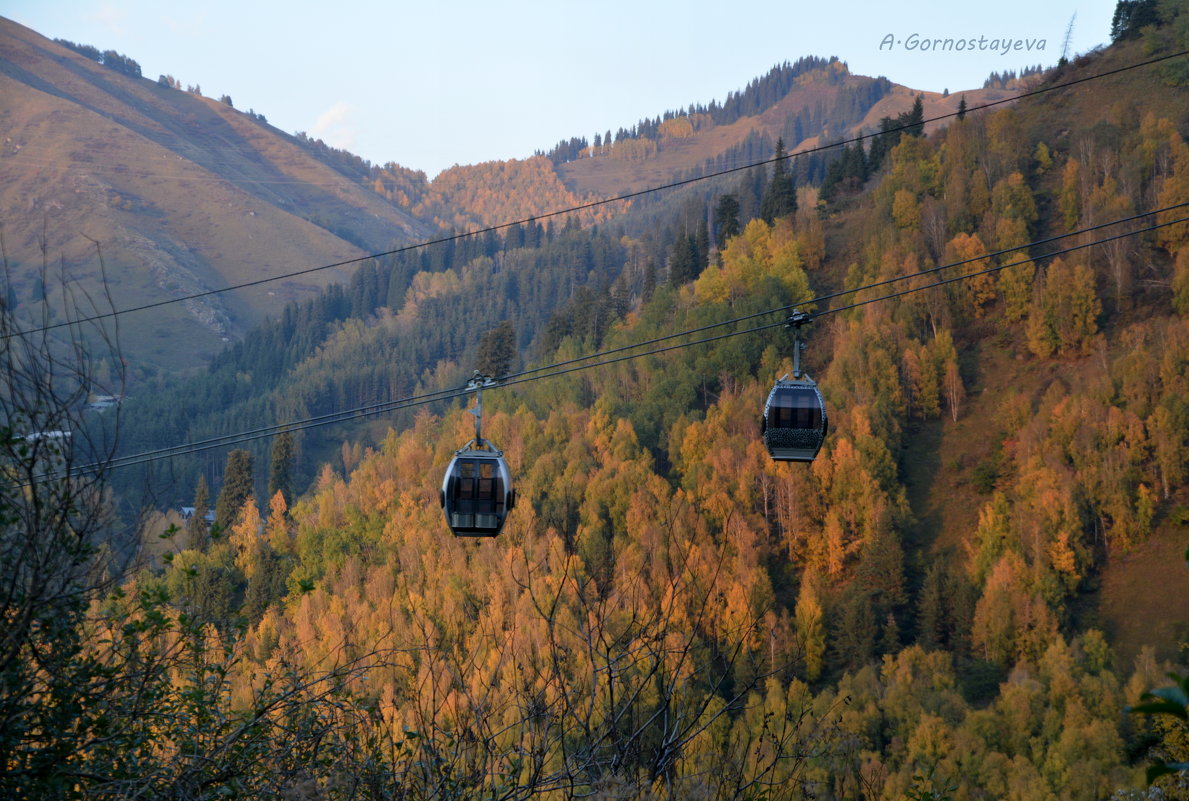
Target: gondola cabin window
[(796, 410)]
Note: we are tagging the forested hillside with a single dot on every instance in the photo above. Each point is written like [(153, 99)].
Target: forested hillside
[(956, 600)]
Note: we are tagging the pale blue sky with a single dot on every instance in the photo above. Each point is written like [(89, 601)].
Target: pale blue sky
[(430, 84)]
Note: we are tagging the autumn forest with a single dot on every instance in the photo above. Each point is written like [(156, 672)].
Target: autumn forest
[(965, 596)]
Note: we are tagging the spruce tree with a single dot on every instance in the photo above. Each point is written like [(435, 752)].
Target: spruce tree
[(726, 218), (497, 350), (915, 121), (931, 617), (683, 260), (829, 185), (702, 246), (649, 286), (237, 488), (887, 139), (280, 469), (855, 630), (854, 164), (1132, 15), (751, 193), (889, 636), (196, 533), (780, 198)]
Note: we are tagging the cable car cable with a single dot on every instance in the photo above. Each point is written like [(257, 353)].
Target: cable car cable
[(996, 269), (569, 367), (328, 418), (840, 293), (589, 205), (189, 449), (814, 315)]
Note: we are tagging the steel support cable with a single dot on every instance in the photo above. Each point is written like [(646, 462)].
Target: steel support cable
[(265, 431), (996, 269), (813, 315), (591, 204), (442, 395), (347, 414), (192, 448), (277, 428), (843, 292)]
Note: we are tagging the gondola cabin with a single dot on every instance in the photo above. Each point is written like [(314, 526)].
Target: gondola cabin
[(477, 491), (794, 423)]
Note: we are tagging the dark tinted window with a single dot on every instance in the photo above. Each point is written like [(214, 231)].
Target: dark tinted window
[(477, 487), (794, 408)]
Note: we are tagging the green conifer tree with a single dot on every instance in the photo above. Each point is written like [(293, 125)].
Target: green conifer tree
[(196, 527), (497, 350), (931, 609), (649, 286), (780, 197), (702, 246), (726, 218), (280, 469), (683, 260), (855, 630), (237, 488), (915, 121)]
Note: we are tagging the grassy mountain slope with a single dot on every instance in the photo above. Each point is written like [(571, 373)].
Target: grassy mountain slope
[(184, 194)]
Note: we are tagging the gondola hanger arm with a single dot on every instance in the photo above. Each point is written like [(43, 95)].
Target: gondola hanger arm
[(476, 384), (795, 320)]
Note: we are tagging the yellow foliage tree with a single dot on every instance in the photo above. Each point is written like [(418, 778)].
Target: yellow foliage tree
[(1065, 309), (906, 210), (760, 251), (245, 538), (810, 626), (1069, 198), (277, 531), (980, 289), (1175, 190), (1015, 285), (1011, 621), (676, 128)]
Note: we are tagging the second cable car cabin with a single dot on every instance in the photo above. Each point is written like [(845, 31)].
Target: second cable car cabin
[(794, 423), (477, 491)]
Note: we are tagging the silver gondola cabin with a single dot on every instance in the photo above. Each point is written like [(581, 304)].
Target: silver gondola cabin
[(477, 492), (794, 423)]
